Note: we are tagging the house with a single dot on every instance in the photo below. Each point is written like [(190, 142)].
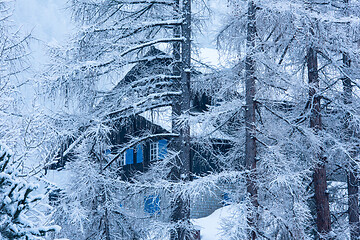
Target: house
[(156, 123)]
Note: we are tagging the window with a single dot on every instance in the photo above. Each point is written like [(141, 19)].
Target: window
[(107, 151), (226, 199), (154, 151), (158, 150), (152, 205), (129, 156), (139, 153), (107, 154)]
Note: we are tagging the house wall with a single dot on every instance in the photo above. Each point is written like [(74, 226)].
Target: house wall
[(206, 203)]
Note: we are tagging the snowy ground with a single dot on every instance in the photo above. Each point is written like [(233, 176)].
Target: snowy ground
[(210, 226)]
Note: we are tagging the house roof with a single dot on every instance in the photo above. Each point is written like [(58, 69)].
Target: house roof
[(154, 62)]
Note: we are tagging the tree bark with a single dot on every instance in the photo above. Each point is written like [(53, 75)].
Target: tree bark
[(250, 120), (181, 106), (323, 220), (352, 172)]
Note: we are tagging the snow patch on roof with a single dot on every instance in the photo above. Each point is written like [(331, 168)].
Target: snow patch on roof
[(206, 130), (162, 117), (159, 116)]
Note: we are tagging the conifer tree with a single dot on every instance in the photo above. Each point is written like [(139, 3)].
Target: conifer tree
[(17, 202)]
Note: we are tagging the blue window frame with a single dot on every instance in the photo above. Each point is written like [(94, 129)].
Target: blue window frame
[(129, 156), (139, 154), (152, 205), (162, 148)]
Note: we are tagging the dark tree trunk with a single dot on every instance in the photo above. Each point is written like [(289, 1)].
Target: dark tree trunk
[(107, 225), (181, 106), (353, 201), (352, 172), (250, 121), (323, 220)]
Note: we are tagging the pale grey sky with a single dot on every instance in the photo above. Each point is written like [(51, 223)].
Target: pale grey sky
[(48, 20)]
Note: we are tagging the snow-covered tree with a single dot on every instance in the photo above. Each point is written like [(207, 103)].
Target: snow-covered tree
[(21, 215), (283, 109), (13, 60), (112, 37), (19, 218), (285, 32)]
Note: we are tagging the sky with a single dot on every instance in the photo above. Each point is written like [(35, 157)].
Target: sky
[(47, 20)]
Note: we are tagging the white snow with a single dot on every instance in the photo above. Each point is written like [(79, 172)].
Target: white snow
[(58, 178), (160, 116), (204, 129), (210, 226)]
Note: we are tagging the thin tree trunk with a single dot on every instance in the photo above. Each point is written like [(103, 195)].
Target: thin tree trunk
[(250, 121), (103, 199), (181, 106), (323, 220), (107, 225), (352, 173)]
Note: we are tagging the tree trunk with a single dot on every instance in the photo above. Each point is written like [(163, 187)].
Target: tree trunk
[(250, 121), (181, 106), (352, 172), (323, 220), (353, 201)]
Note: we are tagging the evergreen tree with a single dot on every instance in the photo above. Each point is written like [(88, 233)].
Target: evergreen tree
[(19, 219)]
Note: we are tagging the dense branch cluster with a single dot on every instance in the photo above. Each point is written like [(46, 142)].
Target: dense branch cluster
[(141, 137)]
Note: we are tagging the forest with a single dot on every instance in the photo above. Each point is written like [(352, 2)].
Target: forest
[(128, 132)]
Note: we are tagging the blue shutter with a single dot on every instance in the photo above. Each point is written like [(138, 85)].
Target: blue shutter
[(107, 154), (107, 151), (129, 156), (162, 148), (139, 153), (226, 199), (152, 204)]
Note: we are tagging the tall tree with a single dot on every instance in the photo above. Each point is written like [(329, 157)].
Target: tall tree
[(13, 62), (323, 220), (274, 164), (352, 171), (181, 107), (250, 118)]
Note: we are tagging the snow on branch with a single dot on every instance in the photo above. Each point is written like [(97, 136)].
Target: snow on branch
[(169, 2), (285, 120), (142, 27), (150, 43), (149, 98)]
